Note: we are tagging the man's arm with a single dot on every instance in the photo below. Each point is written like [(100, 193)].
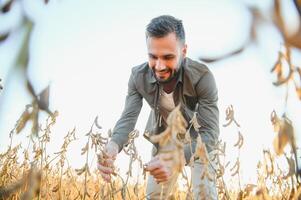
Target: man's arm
[(128, 119), (123, 127), (207, 113)]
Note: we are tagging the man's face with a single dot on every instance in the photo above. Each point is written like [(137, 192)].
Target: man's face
[(165, 56)]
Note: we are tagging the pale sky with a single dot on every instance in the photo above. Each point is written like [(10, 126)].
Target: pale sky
[(85, 52)]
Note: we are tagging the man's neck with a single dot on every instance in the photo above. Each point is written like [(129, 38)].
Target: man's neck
[(170, 86)]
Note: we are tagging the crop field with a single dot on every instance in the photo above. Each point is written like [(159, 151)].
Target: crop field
[(39, 175)]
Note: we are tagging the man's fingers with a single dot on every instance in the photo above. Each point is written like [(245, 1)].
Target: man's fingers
[(107, 162), (111, 150), (106, 177), (150, 165), (104, 169), (159, 160), (153, 165), (157, 172), (161, 180), (160, 172), (166, 156)]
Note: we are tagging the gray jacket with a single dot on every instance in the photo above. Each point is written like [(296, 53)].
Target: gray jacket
[(195, 91)]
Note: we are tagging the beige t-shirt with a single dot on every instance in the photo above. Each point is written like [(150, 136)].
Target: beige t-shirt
[(166, 104)]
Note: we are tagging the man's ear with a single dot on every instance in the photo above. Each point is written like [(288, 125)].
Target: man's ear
[(184, 50)]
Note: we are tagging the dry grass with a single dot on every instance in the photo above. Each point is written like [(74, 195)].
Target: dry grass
[(50, 176)]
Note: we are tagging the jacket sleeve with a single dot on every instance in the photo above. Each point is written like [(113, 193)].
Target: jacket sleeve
[(129, 116), (207, 113)]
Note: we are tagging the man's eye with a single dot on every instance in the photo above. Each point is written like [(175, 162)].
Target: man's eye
[(152, 57)]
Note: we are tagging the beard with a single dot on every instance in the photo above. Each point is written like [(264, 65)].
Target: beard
[(173, 73)]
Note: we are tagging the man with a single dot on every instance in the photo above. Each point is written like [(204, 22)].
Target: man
[(168, 79)]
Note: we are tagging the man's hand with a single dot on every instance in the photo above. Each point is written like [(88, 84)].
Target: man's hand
[(158, 169), (106, 163)]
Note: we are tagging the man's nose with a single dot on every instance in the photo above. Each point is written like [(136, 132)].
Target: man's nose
[(159, 65)]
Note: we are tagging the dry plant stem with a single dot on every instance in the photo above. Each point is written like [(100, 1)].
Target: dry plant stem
[(161, 194), (11, 138), (127, 189), (223, 182), (11, 135), (43, 140), (190, 143), (86, 172), (286, 95), (92, 161), (112, 192), (29, 141), (87, 159), (41, 168), (60, 183), (129, 171), (188, 183), (238, 173), (73, 178)]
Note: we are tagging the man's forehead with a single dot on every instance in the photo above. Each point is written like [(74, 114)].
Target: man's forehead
[(163, 46), (161, 54), (171, 37)]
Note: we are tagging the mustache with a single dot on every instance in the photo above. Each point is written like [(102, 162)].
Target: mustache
[(162, 70)]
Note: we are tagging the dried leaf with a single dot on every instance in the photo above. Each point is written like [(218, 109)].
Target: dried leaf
[(1, 87), (123, 192), (284, 136), (38, 153), (26, 115), (136, 189), (292, 167), (133, 134), (235, 168), (230, 116), (201, 151), (279, 65), (195, 123), (56, 188), (88, 170), (35, 120), (162, 138), (275, 121), (81, 170), (298, 87), (87, 193), (248, 189), (187, 136), (96, 123), (240, 140), (85, 149)]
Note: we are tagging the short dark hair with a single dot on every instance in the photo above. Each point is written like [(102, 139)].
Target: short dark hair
[(163, 25)]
